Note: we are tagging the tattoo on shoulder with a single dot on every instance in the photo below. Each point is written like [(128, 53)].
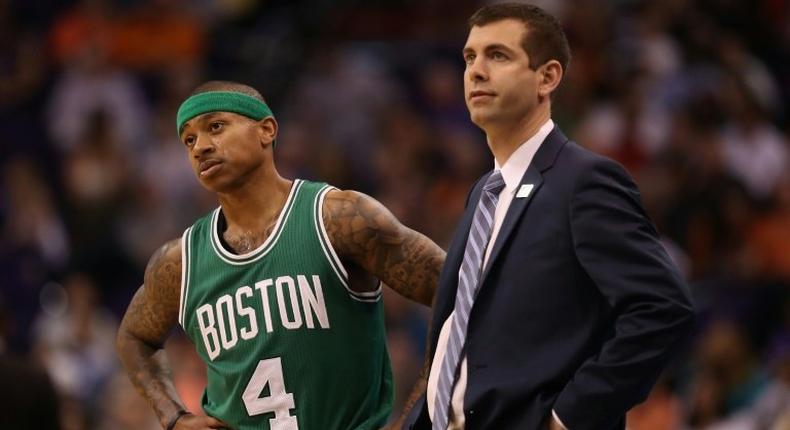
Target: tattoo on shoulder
[(164, 267), (354, 224), (154, 308), (363, 230)]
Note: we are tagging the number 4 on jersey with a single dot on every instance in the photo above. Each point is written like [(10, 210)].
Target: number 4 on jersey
[(270, 372)]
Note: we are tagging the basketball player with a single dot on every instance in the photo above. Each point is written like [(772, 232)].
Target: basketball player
[(267, 286)]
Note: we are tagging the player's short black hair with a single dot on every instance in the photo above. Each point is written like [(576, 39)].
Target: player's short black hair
[(231, 86), (544, 39)]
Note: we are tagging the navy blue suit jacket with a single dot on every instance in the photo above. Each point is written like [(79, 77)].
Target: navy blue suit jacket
[(580, 307)]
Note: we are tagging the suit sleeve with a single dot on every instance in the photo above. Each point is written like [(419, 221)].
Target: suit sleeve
[(618, 247)]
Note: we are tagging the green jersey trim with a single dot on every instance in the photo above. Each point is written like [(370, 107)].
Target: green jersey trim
[(331, 255), (186, 251), (266, 246)]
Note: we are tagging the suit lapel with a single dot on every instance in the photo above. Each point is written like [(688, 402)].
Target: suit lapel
[(517, 207), (533, 177)]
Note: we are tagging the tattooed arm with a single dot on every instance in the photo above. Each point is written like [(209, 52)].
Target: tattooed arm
[(143, 331), (421, 385), (362, 230)]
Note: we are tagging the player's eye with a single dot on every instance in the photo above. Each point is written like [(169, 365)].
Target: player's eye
[(499, 56), (469, 58), (189, 140), (215, 126)]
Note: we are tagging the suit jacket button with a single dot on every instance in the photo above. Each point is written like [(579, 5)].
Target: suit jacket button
[(471, 412)]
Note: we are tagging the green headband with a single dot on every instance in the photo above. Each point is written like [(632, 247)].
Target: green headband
[(221, 101)]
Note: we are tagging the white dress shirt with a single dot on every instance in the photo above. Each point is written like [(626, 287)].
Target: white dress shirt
[(512, 172)]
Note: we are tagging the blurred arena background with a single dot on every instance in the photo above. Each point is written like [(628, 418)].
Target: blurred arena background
[(691, 96)]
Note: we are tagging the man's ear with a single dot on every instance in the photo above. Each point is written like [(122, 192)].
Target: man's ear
[(267, 130), (551, 76)]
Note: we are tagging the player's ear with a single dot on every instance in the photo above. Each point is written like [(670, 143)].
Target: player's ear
[(267, 130), (551, 75)]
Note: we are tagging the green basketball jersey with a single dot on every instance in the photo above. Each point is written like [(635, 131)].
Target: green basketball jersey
[(287, 344)]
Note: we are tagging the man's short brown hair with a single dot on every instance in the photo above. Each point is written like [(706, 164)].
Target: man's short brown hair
[(544, 39)]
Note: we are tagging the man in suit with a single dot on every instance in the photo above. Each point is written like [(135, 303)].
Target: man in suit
[(557, 306)]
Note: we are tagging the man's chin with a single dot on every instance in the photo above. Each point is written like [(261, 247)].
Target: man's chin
[(480, 116), (212, 184)]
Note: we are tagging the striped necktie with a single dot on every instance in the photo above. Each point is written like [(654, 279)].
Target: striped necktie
[(468, 278)]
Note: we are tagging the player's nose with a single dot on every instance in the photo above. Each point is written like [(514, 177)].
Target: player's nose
[(202, 145)]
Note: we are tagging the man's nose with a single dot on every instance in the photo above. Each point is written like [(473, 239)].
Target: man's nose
[(202, 145), (478, 70)]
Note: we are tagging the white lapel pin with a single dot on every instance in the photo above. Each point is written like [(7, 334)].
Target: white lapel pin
[(524, 191)]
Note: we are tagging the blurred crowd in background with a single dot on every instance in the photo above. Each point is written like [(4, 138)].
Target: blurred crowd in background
[(692, 96)]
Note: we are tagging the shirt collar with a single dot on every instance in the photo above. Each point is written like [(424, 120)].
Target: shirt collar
[(517, 164)]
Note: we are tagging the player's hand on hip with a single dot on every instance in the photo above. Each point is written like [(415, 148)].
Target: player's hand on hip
[(199, 422)]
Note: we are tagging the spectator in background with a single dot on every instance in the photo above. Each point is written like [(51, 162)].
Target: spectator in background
[(21, 65), (32, 221), (84, 28), (90, 82), (758, 86), (700, 186), (632, 129), (35, 242), (731, 391), (368, 91), (754, 150), (75, 339), (189, 376), (122, 409), (771, 409), (768, 237), (28, 399), (157, 35), (663, 410), (439, 99), (96, 177), (22, 75)]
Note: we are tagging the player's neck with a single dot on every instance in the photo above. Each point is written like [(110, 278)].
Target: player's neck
[(505, 138), (250, 206)]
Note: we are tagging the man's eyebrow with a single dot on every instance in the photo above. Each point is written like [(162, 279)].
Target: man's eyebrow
[(498, 46), (208, 116), (199, 119), (488, 48)]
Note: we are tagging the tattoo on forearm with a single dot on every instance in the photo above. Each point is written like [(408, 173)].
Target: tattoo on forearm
[(150, 374), (421, 385), (360, 228), (148, 320)]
